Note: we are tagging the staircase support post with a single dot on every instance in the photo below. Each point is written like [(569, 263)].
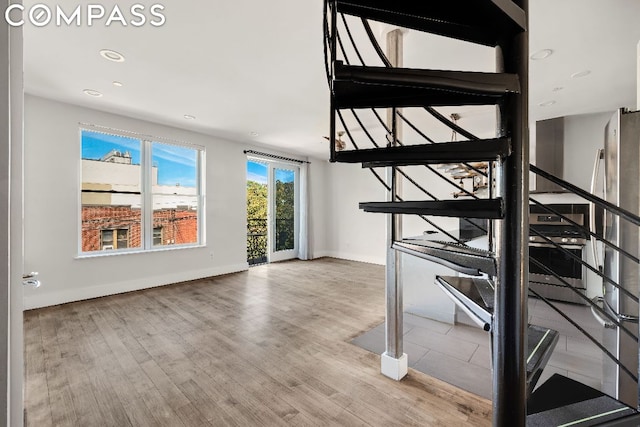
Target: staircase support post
[(394, 362), (510, 321)]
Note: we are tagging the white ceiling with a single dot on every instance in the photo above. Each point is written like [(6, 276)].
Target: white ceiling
[(257, 66)]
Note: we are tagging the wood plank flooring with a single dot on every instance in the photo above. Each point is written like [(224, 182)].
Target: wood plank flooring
[(267, 347)]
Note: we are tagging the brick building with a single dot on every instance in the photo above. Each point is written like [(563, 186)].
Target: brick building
[(111, 207)]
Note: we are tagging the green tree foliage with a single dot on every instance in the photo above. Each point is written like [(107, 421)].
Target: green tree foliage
[(285, 204), (256, 200), (256, 222)]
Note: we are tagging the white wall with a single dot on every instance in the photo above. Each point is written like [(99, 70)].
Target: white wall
[(52, 162), (351, 233), (318, 208)]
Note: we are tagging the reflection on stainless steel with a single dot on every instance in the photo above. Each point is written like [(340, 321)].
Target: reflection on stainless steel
[(599, 301), (622, 185), (592, 206)]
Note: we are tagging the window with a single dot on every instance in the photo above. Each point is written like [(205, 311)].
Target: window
[(139, 194), (157, 236), (121, 240)]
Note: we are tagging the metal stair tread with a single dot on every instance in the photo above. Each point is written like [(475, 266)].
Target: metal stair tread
[(487, 292), (357, 86), (541, 342), (561, 400), (479, 21), (479, 208), (475, 296), (445, 152), (464, 292), (472, 81), (464, 259)]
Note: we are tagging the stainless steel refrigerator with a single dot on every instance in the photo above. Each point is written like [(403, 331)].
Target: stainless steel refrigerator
[(622, 188)]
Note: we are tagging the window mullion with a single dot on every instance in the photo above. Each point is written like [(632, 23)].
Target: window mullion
[(200, 183), (147, 195)]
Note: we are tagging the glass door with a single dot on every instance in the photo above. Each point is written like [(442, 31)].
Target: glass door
[(257, 212), (283, 211), (272, 211)]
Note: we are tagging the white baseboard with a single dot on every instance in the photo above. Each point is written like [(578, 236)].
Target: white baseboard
[(321, 254), (78, 294), (356, 257)]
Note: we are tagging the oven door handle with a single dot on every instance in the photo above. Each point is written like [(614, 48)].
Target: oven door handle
[(592, 207), (556, 246)]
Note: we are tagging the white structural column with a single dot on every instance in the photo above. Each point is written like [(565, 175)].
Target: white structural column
[(394, 362), (638, 79)]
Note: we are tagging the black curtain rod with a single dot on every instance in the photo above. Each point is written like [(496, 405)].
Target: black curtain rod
[(273, 156)]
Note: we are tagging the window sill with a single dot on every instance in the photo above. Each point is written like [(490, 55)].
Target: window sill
[(101, 254)]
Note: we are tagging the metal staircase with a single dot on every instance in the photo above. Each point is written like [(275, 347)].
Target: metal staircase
[(496, 298)]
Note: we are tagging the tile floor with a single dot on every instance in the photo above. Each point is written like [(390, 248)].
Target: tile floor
[(460, 354)]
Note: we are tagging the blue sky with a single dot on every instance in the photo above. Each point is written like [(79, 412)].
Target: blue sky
[(257, 172), (284, 175), (175, 164), (96, 144)]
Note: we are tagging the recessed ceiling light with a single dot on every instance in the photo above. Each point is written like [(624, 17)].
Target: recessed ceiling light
[(541, 54), (189, 117), (117, 84), (92, 92), (547, 103), (580, 74), (557, 89), (112, 55), (254, 133)]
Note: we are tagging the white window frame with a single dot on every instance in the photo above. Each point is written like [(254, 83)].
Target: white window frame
[(146, 193)]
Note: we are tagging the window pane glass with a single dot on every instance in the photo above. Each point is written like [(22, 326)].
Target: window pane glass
[(177, 219), (107, 239), (175, 169), (285, 208), (123, 238), (257, 199), (111, 191), (175, 194)]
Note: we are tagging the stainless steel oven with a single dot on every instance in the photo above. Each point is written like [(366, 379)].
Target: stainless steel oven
[(563, 259)]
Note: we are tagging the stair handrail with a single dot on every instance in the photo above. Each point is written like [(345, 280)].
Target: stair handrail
[(623, 213), (471, 136), (430, 110), (379, 178), (585, 333), (586, 264), (629, 216), (326, 40), (583, 297), (338, 42), (586, 230)]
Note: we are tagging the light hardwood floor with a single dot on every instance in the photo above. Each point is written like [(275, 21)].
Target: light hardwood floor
[(265, 347)]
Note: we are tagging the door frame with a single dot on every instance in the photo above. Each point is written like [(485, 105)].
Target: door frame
[(11, 220)]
